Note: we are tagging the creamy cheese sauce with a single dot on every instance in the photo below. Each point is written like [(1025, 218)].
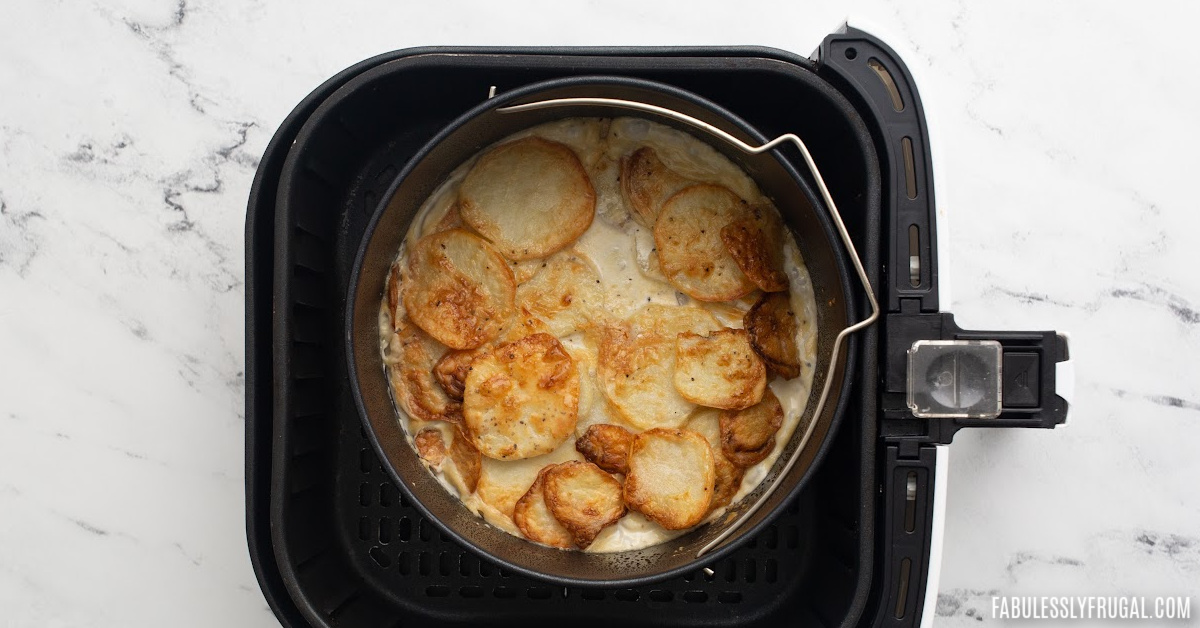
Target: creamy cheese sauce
[(623, 252)]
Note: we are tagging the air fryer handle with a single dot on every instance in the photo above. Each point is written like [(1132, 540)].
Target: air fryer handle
[(1037, 375)]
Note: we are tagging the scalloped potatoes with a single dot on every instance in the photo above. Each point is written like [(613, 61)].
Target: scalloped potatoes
[(563, 333)]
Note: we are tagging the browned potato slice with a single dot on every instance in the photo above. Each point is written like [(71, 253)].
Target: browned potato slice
[(393, 296), (746, 459), (466, 461), (534, 519), (729, 476), (647, 183), (637, 365), (772, 327), (458, 288), (757, 253), (521, 399), (565, 292), (583, 498), (503, 482), (671, 477), (430, 445), (410, 358), (606, 446), (451, 372), (719, 370), (690, 251), (750, 430), (531, 197)]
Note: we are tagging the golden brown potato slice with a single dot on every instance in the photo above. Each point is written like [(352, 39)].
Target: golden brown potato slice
[(410, 358), (583, 498), (565, 293), (729, 476), (451, 372), (534, 519), (430, 446), (647, 183), (531, 197), (690, 250), (607, 447), (747, 459), (758, 253), (671, 477), (521, 399), (393, 296), (719, 370), (637, 365), (458, 288), (466, 460), (771, 324), (750, 429), (503, 482)]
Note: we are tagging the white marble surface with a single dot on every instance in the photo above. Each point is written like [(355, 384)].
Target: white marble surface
[(130, 131)]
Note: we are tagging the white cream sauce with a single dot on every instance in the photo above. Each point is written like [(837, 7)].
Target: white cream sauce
[(623, 252)]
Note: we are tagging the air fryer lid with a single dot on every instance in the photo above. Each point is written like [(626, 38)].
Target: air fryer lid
[(802, 210)]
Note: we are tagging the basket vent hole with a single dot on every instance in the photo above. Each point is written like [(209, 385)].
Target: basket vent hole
[(729, 597), (695, 597), (751, 571), (771, 537), (592, 594), (385, 494), (445, 564), (464, 565), (626, 595), (792, 537), (910, 168), (424, 563), (770, 570), (404, 530), (385, 531), (902, 592), (888, 82), (364, 528), (404, 563), (731, 571), (364, 494), (660, 595), (424, 530), (914, 256), (504, 593), (539, 593), (471, 591), (364, 461), (437, 590), (380, 557), (486, 569)]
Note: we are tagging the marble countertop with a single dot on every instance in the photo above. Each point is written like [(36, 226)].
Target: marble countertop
[(130, 132)]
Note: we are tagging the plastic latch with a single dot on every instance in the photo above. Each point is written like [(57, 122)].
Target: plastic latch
[(955, 379)]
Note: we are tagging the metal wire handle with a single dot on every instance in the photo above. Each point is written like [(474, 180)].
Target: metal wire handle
[(833, 213)]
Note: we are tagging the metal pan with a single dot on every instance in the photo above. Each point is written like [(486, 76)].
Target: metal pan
[(836, 272)]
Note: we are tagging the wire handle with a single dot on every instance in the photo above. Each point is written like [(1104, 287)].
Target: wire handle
[(837, 221)]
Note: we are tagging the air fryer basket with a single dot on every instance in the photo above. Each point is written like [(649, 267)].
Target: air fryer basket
[(347, 545)]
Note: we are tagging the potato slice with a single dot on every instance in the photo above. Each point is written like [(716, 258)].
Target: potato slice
[(607, 447), (503, 482), (647, 183), (458, 288), (583, 498), (719, 370), (637, 364), (565, 293), (728, 479), (690, 250), (451, 372), (430, 446), (756, 245), (393, 297), (467, 461), (521, 399), (671, 477), (747, 459), (410, 358), (771, 324), (534, 519), (531, 197), (750, 429)]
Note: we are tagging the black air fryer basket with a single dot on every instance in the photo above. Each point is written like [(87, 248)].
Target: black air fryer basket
[(333, 541)]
